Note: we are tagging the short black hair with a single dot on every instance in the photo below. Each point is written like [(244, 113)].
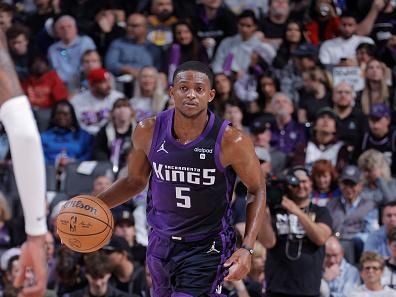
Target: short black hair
[(195, 66), (248, 13), (349, 14)]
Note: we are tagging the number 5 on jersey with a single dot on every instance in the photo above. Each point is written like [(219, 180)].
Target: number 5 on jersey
[(181, 194)]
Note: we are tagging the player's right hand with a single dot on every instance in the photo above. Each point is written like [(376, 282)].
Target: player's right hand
[(239, 265), (32, 261)]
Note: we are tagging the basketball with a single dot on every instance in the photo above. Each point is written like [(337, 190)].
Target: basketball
[(85, 224)]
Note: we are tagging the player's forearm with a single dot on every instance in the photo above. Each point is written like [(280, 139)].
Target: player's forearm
[(266, 235), (9, 83), (255, 212), (122, 190)]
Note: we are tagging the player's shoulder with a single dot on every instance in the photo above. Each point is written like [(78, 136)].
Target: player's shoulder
[(143, 133), (234, 141)]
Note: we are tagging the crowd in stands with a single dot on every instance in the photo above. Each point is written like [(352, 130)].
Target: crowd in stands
[(312, 82)]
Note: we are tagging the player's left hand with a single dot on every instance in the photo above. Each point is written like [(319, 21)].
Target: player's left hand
[(239, 265), (32, 274)]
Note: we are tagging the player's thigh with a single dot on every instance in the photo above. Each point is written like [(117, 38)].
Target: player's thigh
[(199, 271)]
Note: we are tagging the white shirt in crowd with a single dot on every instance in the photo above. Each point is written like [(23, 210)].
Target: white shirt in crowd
[(334, 49), (92, 112), (362, 291)]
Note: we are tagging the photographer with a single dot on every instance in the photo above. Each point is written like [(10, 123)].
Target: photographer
[(294, 264)]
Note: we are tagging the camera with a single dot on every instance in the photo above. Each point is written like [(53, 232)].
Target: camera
[(277, 188)]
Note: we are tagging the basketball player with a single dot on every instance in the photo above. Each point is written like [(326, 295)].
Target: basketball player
[(28, 162), (192, 158)]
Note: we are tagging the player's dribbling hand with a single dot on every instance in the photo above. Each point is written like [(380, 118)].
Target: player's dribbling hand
[(32, 262), (239, 265)]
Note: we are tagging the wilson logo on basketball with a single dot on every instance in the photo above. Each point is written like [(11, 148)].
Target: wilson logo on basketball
[(79, 204)]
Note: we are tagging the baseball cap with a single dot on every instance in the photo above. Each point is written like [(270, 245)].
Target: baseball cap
[(351, 173), (124, 216), (116, 244), (7, 255), (327, 111), (262, 154), (305, 50), (260, 125), (379, 110), (98, 75)]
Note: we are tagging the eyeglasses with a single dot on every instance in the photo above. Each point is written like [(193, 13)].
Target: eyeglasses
[(375, 268)]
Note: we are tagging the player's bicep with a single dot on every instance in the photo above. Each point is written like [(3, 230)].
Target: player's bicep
[(138, 163), (241, 156)]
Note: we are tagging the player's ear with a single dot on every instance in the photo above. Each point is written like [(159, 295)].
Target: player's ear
[(212, 94), (171, 91)]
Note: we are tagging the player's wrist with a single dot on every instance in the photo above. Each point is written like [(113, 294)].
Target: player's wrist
[(249, 249)]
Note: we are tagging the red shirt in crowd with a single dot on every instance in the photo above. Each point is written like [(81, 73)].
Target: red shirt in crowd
[(45, 90), (331, 30)]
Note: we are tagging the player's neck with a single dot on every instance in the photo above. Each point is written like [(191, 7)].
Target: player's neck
[(186, 130)]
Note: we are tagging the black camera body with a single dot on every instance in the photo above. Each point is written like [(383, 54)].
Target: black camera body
[(277, 188)]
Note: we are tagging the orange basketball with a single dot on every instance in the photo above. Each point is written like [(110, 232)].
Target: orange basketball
[(85, 224)]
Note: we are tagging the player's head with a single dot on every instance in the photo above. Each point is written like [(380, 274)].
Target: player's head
[(192, 88)]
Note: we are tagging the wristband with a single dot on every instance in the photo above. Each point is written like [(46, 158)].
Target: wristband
[(249, 249)]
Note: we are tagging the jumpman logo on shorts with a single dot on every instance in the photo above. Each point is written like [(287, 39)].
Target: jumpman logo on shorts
[(213, 249), (162, 148)]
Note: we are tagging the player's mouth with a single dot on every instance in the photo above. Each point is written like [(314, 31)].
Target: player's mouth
[(190, 104)]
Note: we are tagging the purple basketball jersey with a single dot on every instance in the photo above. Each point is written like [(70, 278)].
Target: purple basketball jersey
[(190, 191)]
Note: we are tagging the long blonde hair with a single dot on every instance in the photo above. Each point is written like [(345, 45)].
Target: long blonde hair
[(375, 159), (366, 94), (5, 212), (159, 96)]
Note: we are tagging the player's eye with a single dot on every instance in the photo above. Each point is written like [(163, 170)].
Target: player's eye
[(182, 88)]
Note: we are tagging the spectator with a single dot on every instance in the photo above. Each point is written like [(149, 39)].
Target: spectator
[(160, 22), (377, 240), (371, 270), (389, 275), (65, 141), (354, 216), (325, 182), (65, 55), (6, 16), (91, 60), (274, 25), (364, 53), (339, 275), (315, 95), (127, 275), (233, 113), (4, 145), (304, 58), (98, 272), (233, 54), (127, 55), (6, 230), (292, 38), (43, 86), (124, 226), (213, 22), (149, 96), (376, 90), (286, 133), (185, 47), (45, 9), (101, 183), (105, 30), (379, 185), (224, 93), (20, 49), (255, 279), (352, 121), (379, 22), (260, 130), (93, 106), (246, 85), (113, 141), (324, 23), (333, 50), (268, 85), (302, 230), (324, 143), (69, 274), (380, 136)]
